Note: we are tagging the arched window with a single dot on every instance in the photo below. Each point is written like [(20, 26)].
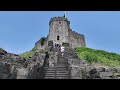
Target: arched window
[(58, 37)]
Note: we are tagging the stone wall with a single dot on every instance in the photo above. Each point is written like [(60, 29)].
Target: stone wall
[(83, 70), (80, 69), (76, 40), (33, 71), (13, 66), (59, 27), (9, 71)]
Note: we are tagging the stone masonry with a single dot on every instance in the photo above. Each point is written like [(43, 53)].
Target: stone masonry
[(60, 33)]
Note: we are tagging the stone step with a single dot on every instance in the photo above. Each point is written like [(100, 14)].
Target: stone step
[(56, 78), (53, 74), (50, 73), (62, 63), (49, 78), (55, 69), (57, 73), (60, 67)]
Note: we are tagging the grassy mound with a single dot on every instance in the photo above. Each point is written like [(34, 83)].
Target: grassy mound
[(31, 53), (98, 56), (26, 54)]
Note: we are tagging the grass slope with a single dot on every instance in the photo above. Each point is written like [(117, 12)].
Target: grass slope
[(28, 53), (98, 56)]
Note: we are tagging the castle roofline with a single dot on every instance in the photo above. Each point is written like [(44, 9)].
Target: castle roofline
[(59, 18)]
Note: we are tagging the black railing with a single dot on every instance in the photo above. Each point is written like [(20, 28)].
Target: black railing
[(69, 68), (42, 68)]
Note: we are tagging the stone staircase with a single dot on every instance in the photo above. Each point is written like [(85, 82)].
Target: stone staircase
[(60, 71)]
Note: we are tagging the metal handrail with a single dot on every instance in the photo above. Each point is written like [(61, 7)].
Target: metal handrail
[(41, 73), (55, 73), (42, 68)]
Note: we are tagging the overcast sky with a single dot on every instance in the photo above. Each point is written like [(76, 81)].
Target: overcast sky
[(19, 30)]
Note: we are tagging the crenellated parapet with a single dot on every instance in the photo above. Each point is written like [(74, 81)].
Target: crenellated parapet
[(76, 39), (76, 34), (60, 33), (59, 19)]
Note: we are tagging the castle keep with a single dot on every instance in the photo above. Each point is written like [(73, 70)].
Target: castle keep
[(61, 33)]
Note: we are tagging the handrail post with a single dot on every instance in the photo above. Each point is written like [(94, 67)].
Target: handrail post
[(55, 72)]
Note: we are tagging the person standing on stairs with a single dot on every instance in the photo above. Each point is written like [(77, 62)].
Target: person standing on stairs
[(59, 52), (62, 50), (46, 62)]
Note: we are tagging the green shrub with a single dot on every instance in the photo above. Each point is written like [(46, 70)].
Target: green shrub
[(42, 40), (33, 50)]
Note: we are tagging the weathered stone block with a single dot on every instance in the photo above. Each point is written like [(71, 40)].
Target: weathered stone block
[(106, 74), (101, 69)]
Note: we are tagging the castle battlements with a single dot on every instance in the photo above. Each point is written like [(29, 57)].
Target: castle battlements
[(76, 34), (59, 19), (60, 33)]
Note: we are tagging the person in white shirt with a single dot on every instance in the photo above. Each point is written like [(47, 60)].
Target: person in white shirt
[(62, 50)]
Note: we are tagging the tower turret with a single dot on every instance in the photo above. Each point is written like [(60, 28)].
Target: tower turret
[(58, 30)]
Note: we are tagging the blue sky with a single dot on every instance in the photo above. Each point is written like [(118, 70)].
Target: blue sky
[(19, 30)]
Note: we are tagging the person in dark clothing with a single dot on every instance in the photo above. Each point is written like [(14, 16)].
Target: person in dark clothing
[(46, 62), (46, 55), (59, 50), (51, 48), (0, 56)]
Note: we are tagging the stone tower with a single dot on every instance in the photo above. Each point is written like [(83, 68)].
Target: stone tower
[(58, 30), (60, 33)]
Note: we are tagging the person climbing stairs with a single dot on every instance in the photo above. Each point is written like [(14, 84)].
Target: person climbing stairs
[(59, 71)]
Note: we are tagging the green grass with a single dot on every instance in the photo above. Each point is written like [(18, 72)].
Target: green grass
[(98, 56), (26, 54)]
